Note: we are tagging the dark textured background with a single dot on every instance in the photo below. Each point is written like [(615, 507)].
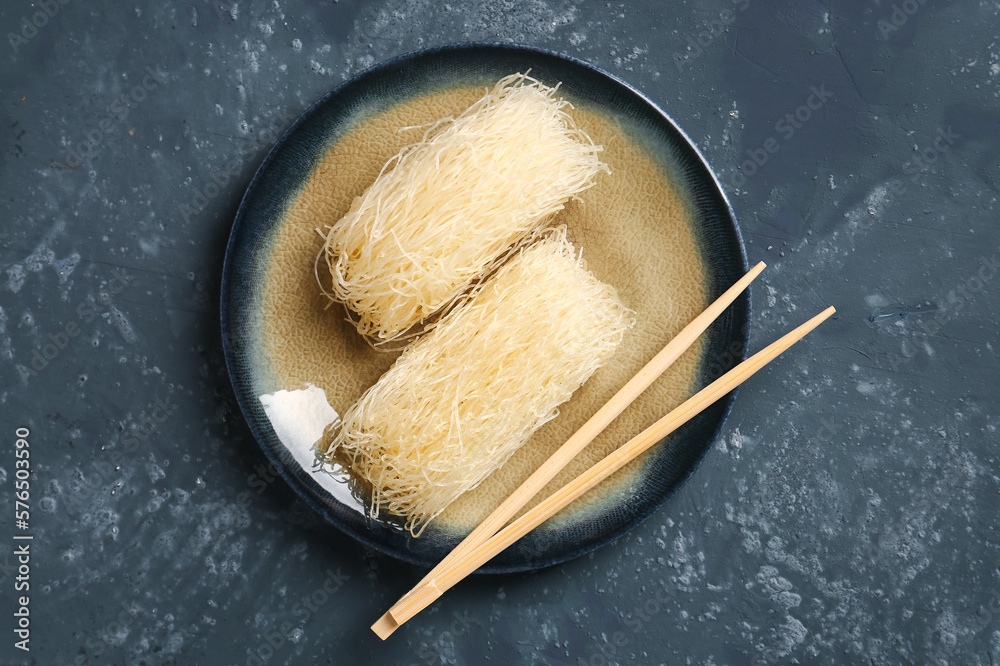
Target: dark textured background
[(849, 512)]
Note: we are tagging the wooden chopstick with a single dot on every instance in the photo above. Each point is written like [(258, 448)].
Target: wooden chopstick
[(386, 624), (423, 597)]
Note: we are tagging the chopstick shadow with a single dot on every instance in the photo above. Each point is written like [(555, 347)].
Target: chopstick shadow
[(464, 613)]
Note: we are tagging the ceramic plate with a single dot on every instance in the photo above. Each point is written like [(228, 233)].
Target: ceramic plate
[(659, 229)]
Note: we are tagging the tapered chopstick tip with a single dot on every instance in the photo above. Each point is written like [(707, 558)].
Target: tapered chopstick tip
[(384, 626)]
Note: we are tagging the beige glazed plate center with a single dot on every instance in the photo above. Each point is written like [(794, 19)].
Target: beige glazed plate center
[(636, 233)]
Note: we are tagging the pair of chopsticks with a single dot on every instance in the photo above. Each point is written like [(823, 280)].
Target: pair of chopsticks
[(491, 537)]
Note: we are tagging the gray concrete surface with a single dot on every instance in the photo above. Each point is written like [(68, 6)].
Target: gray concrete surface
[(849, 513)]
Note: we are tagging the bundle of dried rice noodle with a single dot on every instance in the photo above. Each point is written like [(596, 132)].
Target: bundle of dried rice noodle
[(448, 209), (462, 398)]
